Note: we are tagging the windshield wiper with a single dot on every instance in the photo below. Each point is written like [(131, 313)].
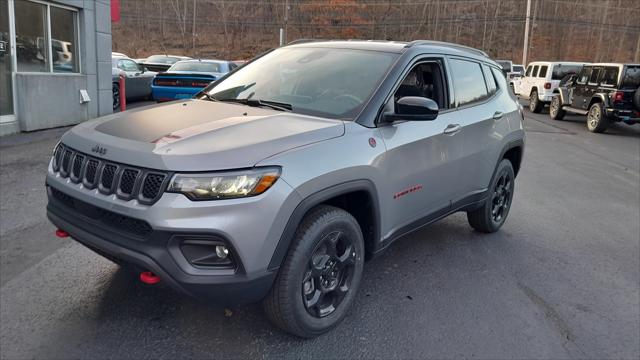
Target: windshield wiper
[(257, 102)]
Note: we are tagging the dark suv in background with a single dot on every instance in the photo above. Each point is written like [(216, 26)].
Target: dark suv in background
[(604, 92)]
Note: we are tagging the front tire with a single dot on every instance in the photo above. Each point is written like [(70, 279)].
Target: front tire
[(535, 105), (597, 121), (555, 109), (493, 213), (321, 275)]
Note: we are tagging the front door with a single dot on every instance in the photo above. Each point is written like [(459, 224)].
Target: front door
[(417, 165)]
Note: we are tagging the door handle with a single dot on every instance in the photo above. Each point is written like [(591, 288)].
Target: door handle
[(497, 115), (452, 129)]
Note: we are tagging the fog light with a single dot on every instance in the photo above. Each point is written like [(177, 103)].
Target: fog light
[(222, 251)]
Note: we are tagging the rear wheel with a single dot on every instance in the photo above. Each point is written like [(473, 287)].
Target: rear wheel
[(535, 105), (320, 277), (597, 121), (116, 96), (555, 109), (493, 213)]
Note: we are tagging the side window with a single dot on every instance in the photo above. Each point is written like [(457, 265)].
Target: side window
[(528, 73), (492, 87), (584, 75), (610, 77), (468, 81), (593, 79), (424, 80), (543, 71), (535, 71)]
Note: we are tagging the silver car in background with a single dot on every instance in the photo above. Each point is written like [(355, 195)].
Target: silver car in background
[(137, 79)]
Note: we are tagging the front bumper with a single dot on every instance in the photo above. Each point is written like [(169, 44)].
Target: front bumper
[(150, 237)]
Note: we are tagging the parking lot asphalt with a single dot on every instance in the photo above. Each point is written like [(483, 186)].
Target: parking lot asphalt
[(561, 279)]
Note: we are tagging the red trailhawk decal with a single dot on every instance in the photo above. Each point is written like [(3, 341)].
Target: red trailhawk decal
[(407, 191)]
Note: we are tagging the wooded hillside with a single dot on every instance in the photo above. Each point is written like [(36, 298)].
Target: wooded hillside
[(580, 30)]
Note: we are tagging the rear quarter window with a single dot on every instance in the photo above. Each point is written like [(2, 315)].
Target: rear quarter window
[(609, 77), (543, 71)]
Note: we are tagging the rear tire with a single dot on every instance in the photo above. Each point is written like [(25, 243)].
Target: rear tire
[(597, 121), (319, 279), (493, 212), (535, 105), (555, 109)]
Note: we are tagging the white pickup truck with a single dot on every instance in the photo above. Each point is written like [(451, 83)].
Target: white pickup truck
[(541, 79)]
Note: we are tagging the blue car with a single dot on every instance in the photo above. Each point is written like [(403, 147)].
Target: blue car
[(187, 77)]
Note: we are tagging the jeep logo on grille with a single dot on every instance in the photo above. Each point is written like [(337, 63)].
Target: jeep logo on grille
[(99, 150)]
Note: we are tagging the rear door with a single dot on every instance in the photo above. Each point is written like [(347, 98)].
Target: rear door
[(484, 122)]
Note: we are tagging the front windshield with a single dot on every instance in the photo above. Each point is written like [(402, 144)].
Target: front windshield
[(334, 83), (195, 66), (161, 59)]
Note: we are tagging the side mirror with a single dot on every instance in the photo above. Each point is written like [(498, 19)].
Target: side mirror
[(413, 108)]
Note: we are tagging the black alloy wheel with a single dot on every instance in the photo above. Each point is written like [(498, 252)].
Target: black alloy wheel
[(502, 195), (329, 275)]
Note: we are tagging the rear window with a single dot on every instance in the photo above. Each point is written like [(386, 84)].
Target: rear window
[(562, 70), (195, 66), (161, 59), (631, 78), (491, 82), (535, 71), (593, 79)]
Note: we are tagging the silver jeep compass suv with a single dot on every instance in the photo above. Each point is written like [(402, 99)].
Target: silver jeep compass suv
[(277, 181)]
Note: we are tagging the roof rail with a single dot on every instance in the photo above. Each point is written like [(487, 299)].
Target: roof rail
[(447, 44), (302, 41)]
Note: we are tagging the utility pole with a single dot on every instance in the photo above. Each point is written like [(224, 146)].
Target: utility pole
[(193, 31), (286, 22), (525, 46)]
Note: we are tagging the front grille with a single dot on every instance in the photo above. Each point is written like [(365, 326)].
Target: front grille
[(76, 169), (107, 177), (117, 222), (125, 181), (152, 185)]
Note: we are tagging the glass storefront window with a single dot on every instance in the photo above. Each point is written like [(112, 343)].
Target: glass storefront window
[(31, 38), (63, 40), (6, 90)]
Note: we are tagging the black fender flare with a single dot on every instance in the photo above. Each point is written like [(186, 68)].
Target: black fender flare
[(316, 199), (518, 143), (599, 98)]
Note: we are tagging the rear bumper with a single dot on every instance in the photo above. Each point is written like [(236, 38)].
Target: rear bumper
[(627, 116), (169, 93), (227, 287)]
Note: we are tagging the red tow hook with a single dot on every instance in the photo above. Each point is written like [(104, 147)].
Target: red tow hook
[(150, 278), (61, 233)]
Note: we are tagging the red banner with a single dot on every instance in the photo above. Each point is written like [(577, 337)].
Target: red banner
[(115, 11)]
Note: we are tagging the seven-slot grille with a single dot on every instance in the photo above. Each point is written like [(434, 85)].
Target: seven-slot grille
[(127, 182)]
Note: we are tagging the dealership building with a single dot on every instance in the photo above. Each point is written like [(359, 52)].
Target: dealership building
[(55, 63)]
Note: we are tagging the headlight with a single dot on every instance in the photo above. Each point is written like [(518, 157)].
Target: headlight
[(224, 185)]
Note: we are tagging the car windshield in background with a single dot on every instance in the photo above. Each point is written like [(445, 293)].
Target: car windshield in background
[(334, 83), (506, 65), (161, 59), (518, 68), (562, 70), (631, 78), (196, 66)]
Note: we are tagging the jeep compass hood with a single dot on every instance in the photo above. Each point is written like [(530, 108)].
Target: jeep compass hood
[(198, 135)]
